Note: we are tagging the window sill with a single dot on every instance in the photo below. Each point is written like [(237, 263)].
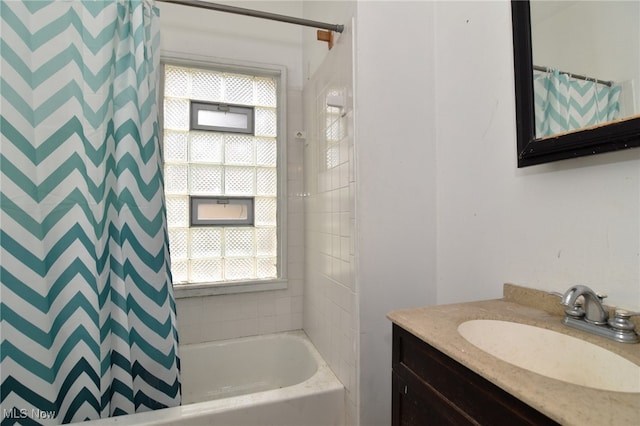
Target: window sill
[(181, 291)]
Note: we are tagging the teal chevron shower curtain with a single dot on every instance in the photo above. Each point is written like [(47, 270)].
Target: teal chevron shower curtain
[(87, 314), (563, 103)]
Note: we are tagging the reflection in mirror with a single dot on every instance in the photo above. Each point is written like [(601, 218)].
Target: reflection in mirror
[(577, 78), (586, 63)]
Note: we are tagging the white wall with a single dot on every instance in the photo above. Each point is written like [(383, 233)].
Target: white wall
[(209, 35), (548, 226), (396, 182)]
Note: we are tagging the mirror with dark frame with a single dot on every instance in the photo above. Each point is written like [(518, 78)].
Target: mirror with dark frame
[(615, 131)]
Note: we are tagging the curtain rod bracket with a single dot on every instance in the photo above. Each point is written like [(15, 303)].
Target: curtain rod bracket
[(325, 36)]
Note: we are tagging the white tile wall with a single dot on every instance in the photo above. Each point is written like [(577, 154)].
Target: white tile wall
[(330, 310), (202, 319)]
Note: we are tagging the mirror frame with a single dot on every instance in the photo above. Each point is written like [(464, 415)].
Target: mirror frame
[(617, 135)]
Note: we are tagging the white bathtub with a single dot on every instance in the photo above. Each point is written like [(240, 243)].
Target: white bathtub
[(277, 379)]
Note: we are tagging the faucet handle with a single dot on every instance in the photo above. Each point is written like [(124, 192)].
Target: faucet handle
[(623, 327), (621, 321), (601, 296), (623, 313)]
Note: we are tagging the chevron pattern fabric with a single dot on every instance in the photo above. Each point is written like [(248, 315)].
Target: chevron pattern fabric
[(563, 103), (87, 314)]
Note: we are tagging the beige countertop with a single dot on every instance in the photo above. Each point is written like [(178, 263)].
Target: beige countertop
[(566, 403)]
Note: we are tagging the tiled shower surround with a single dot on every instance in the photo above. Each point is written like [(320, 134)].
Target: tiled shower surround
[(321, 293), (330, 307), (202, 319)]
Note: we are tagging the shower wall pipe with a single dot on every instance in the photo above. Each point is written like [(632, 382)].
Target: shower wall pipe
[(257, 14)]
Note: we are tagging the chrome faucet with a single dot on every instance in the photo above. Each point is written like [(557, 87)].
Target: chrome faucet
[(593, 316), (593, 310)]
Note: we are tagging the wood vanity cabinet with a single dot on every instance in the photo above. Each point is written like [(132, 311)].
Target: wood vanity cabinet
[(430, 388)]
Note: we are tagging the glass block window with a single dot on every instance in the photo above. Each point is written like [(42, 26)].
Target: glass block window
[(213, 163)]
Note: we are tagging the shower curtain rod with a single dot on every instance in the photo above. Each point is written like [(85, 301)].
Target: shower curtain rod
[(257, 14), (579, 77)]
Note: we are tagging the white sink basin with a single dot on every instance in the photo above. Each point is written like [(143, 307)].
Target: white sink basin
[(553, 354)]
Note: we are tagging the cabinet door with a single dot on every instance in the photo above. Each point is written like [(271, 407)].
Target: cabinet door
[(445, 392), (415, 403)]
